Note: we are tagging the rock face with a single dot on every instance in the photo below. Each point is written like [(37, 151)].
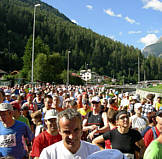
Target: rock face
[(154, 49)]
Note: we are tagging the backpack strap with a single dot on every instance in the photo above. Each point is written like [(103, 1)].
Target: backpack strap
[(154, 132), (42, 116)]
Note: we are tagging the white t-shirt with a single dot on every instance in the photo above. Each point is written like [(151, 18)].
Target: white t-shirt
[(38, 130), (59, 151), (124, 102), (139, 122)]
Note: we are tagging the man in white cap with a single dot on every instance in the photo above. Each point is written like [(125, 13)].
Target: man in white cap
[(107, 154), (138, 121), (11, 133), (69, 124), (48, 137)]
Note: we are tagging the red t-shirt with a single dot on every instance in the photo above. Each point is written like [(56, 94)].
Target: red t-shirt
[(149, 137), (113, 107), (42, 141)]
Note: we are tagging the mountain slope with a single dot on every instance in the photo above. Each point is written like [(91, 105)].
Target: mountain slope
[(44, 6), (154, 49)]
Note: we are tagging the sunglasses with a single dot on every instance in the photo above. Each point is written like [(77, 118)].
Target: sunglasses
[(95, 102)]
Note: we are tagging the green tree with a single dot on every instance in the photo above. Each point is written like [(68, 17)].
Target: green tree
[(39, 47), (48, 67)]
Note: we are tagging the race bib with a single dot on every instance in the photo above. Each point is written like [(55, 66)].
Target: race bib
[(129, 156), (8, 140)]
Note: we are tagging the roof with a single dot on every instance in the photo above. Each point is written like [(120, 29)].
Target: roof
[(2, 72)]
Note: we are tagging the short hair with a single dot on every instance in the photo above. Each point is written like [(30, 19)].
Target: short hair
[(151, 117), (69, 114), (159, 97), (111, 115), (111, 101), (73, 103), (37, 115), (47, 96), (150, 96), (120, 113)]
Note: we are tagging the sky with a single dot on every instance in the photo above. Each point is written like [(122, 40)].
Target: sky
[(132, 22)]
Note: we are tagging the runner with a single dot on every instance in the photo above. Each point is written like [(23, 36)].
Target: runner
[(12, 132), (123, 138), (71, 146)]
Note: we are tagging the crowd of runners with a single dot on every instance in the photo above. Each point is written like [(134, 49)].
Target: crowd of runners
[(78, 122)]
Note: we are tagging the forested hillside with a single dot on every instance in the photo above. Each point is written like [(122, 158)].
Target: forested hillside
[(55, 35)]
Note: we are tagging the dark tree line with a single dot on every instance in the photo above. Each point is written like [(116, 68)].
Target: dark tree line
[(55, 35)]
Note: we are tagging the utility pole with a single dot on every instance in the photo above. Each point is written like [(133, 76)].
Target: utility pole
[(138, 69), (144, 75), (68, 68)]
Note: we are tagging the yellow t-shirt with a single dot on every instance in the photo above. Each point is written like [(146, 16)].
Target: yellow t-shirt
[(83, 112), (157, 106)]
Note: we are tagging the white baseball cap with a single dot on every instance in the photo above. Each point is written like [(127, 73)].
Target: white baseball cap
[(95, 99), (137, 105), (107, 154), (50, 114), (126, 94), (5, 107)]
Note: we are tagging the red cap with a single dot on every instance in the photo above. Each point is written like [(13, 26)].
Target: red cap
[(15, 105), (29, 95), (84, 93)]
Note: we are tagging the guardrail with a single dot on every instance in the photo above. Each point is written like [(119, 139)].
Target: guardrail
[(5, 83)]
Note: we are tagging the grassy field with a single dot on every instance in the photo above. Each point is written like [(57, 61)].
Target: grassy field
[(151, 88)]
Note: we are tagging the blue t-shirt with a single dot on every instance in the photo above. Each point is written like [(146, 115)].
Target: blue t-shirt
[(11, 139), (6, 101)]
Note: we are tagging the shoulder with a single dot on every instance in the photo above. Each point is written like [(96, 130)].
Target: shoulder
[(133, 117), (152, 151), (90, 146), (143, 117), (104, 114), (22, 118), (39, 126), (110, 133), (26, 103), (149, 132), (134, 131), (54, 146), (135, 134), (17, 122), (80, 110)]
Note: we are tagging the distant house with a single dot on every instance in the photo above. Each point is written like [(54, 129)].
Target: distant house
[(2, 73), (90, 77)]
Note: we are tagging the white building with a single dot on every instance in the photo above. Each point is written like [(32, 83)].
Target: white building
[(90, 77)]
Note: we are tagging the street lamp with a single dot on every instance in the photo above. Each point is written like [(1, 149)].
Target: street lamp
[(86, 74), (68, 68), (35, 6)]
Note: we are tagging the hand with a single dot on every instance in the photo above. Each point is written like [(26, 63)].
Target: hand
[(93, 127), (91, 135)]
